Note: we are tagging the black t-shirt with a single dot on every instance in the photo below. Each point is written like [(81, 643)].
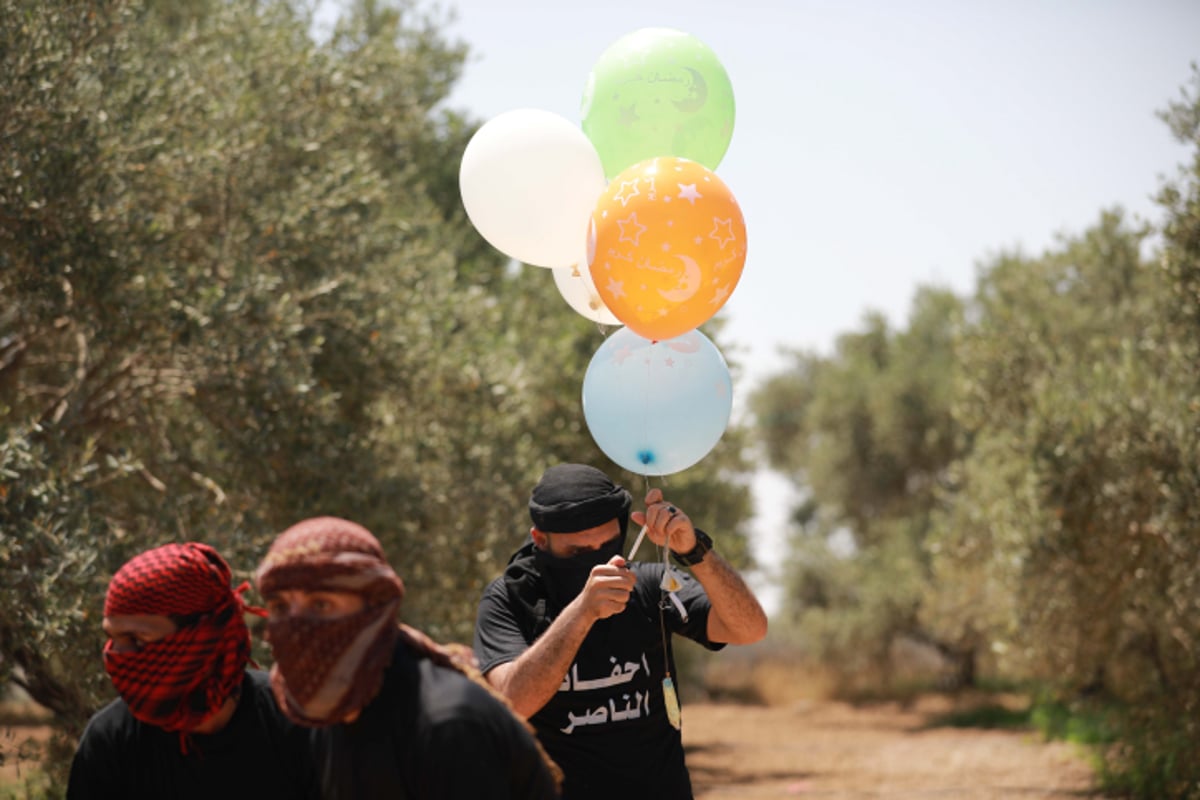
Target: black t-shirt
[(432, 734), (258, 754), (607, 725)]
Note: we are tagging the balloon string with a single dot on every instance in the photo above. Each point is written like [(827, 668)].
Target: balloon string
[(649, 455), (638, 541), (642, 534)]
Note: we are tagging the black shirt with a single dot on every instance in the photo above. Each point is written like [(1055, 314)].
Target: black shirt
[(432, 734), (607, 726), (258, 754)]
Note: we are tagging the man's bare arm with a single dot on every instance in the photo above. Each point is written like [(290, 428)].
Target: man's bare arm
[(533, 677), (736, 616)]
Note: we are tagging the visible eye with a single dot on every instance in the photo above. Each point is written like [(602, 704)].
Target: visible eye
[(130, 642), (321, 605), (277, 607), (331, 605)]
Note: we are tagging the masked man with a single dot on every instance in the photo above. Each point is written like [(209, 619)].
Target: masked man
[(191, 721), (396, 715), (579, 640)]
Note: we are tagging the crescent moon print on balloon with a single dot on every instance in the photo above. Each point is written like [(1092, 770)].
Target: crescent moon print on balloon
[(689, 284), (697, 93), (688, 343), (658, 92), (667, 246)]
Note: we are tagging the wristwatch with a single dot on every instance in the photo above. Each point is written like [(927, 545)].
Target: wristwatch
[(694, 556)]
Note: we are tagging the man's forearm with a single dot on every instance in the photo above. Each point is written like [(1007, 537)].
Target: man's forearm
[(736, 616), (533, 678)]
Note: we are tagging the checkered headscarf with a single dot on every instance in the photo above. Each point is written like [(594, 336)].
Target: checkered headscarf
[(326, 669), (180, 681)]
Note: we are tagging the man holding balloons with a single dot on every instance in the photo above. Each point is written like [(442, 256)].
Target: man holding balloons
[(641, 232), (579, 639)]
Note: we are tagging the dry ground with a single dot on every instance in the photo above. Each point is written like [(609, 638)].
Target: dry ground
[(821, 749), (827, 749), (20, 752)]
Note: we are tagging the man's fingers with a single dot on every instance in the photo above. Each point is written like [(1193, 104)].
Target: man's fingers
[(610, 574), (610, 595)]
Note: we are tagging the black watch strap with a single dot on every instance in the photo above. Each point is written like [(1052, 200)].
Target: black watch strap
[(694, 556)]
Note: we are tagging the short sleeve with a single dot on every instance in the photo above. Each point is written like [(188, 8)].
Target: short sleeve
[(691, 596), (498, 635)]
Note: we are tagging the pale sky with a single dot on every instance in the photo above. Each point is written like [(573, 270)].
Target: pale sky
[(878, 145)]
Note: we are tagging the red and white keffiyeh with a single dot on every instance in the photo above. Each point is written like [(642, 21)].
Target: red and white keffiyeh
[(180, 681)]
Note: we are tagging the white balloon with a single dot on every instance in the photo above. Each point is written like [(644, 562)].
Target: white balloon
[(529, 181), (575, 285)]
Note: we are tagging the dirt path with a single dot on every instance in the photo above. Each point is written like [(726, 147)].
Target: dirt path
[(823, 749), (20, 751), (833, 750)]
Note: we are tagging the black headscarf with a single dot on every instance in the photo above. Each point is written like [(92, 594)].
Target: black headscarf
[(574, 497), (569, 498)]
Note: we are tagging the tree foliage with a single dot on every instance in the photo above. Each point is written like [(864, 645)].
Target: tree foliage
[(868, 434), (1037, 501), (237, 288)]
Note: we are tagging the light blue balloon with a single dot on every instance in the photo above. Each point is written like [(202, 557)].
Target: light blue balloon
[(656, 408)]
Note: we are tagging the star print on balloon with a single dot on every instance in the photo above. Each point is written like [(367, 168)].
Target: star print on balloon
[(658, 92), (656, 408), (666, 246)]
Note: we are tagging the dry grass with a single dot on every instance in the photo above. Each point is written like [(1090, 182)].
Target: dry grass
[(24, 732), (767, 676), (779, 725)]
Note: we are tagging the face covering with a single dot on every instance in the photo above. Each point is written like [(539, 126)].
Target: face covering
[(180, 681), (566, 576), (327, 668)]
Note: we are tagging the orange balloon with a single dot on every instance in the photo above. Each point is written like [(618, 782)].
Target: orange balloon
[(666, 246)]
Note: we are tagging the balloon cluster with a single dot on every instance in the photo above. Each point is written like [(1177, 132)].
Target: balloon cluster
[(639, 231)]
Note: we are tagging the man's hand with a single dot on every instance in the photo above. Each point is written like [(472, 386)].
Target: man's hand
[(607, 589), (665, 524)]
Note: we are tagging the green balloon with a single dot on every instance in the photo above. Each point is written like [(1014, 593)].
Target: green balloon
[(658, 92)]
